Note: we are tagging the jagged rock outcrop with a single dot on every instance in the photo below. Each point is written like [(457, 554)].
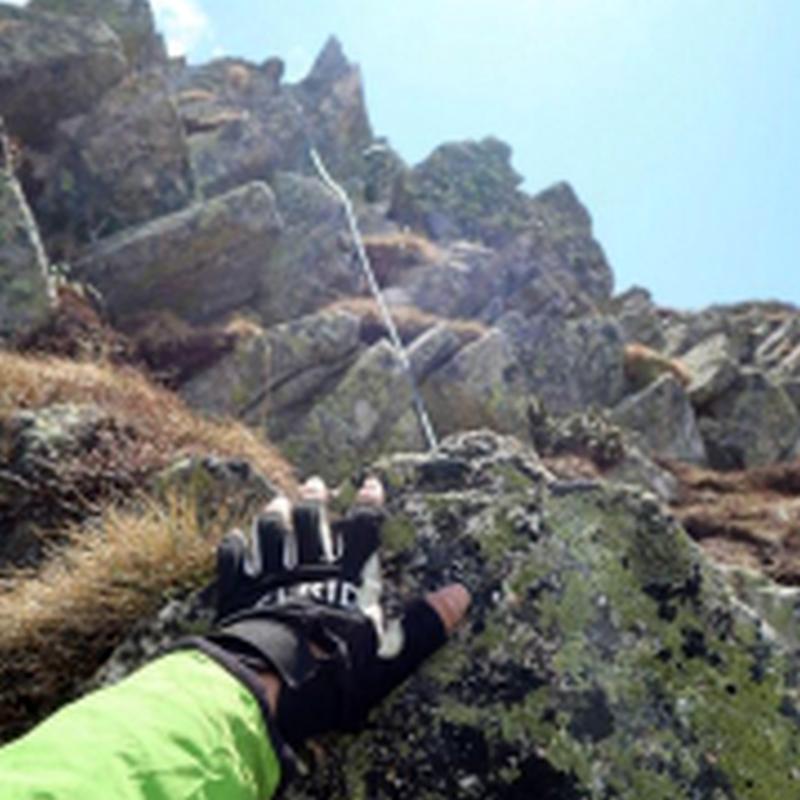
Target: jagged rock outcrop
[(124, 163), (131, 20), (199, 263), (603, 654), (53, 67), (464, 190), (335, 113), (242, 124), (639, 318), (712, 368)]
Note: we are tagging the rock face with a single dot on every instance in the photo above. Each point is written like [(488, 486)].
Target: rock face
[(52, 473), (603, 655), (131, 20), (332, 98), (25, 291), (752, 424), (199, 263), (85, 54), (313, 262), (362, 415), (664, 419), (125, 163), (463, 190)]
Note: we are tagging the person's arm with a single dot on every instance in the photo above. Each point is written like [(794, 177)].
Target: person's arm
[(214, 721), (180, 727)]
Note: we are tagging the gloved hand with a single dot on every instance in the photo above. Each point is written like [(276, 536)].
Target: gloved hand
[(302, 600)]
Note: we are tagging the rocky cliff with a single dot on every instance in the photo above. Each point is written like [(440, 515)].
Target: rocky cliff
[(179, 295)]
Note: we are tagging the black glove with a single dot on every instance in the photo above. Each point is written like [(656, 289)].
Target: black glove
[(304, 602)]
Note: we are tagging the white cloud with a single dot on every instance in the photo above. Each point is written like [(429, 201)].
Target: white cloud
[(16, 2), (183, 23)]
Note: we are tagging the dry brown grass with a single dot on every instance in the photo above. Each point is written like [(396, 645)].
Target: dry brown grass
[(166, 428), (58, 626), (391, 254), (409, 320), (643, 365)]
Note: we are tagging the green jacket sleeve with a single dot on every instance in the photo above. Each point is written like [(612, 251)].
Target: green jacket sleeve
[(181, 728)]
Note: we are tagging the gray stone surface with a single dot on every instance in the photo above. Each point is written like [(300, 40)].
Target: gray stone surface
[(124, 163), (53, 67), (752, 424), (603, 655), (355, 420), (639, 319), (463, 190), (38, 491), (199, 263), (26, 293), (131, 20), (664, 420), (313, 264), (483, 385), (569, 365), (712, 367)]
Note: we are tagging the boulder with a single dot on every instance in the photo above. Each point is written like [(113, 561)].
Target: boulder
[(383, 166), (482, 385), (199, 263), (588, 444), (124, 163), (457, 284), (235, 146), (664, 420), (568, 364), (712, 368), (463, 190), (26, 294), (242, 124), (273, 377), (355, 421), (639, 318), (603, 655), (131, 20), (753, 423), (781, 349), (313, 264), (56, 465), (53, 67)]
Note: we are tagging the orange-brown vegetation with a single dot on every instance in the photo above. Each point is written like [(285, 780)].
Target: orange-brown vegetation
[(57, 627), (74, 329), (409, 321), (238, 77), (164, 427), (392, 254), (643, 365), (750, 518), (172, 349), (119, 556)]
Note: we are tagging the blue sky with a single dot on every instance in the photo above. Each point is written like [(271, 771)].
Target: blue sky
[(677, 121)]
